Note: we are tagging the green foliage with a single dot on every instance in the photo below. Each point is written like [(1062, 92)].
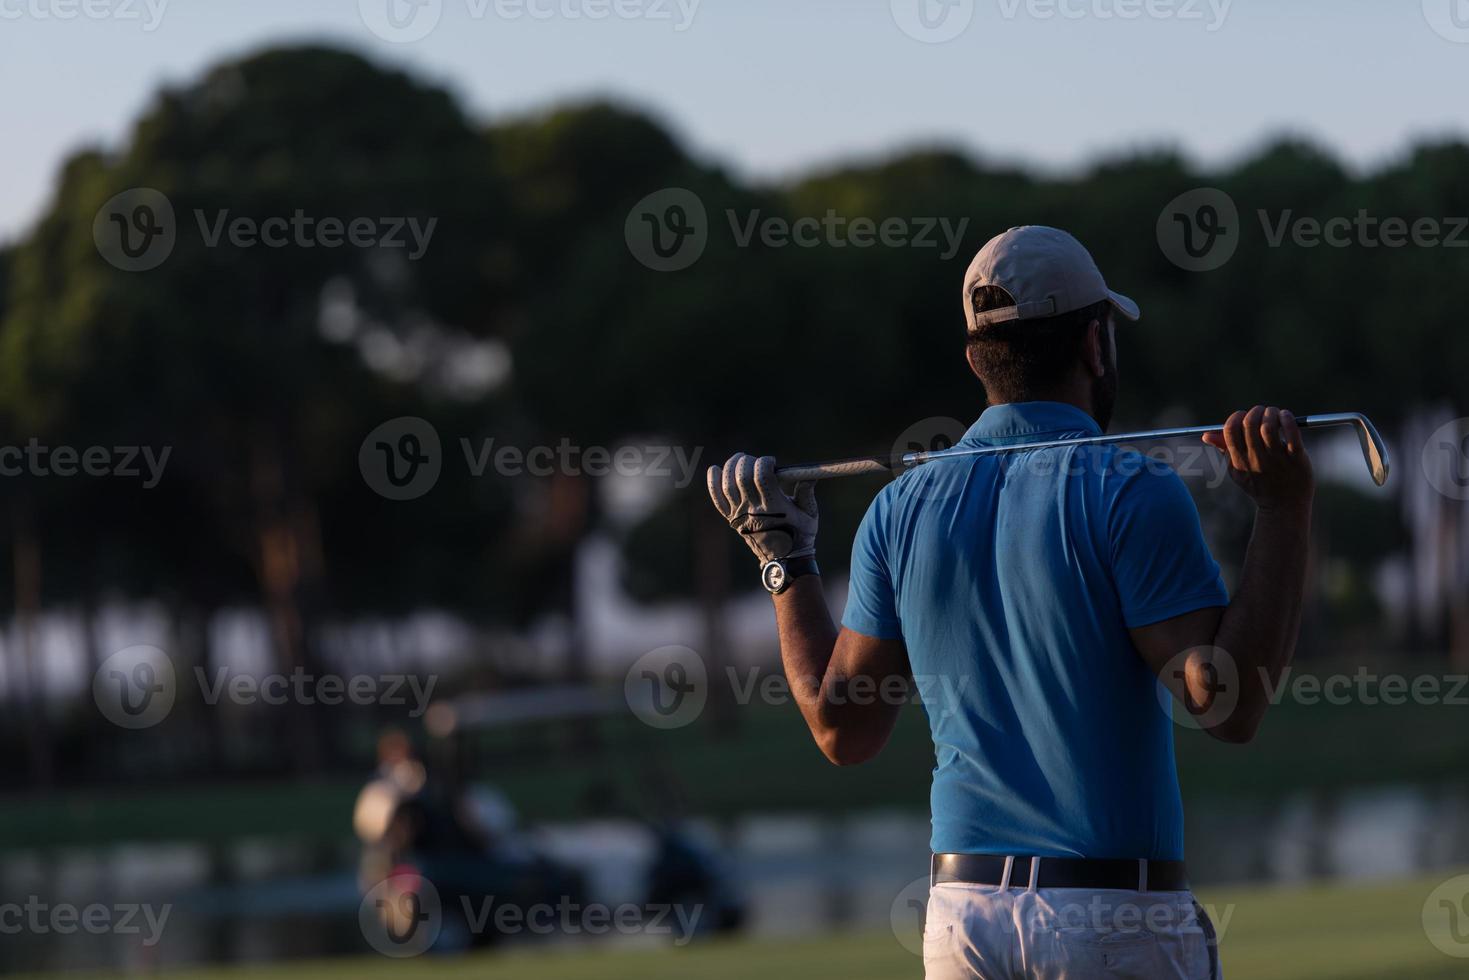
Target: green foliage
[(219, 351)]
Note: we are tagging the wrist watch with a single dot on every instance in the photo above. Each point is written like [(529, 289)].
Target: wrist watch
[(778, 573)]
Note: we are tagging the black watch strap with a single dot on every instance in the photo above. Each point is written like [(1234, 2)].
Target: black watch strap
[(796, 567)]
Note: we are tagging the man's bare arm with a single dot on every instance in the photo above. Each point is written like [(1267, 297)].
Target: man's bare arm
[(849, 687), (1250, 642)]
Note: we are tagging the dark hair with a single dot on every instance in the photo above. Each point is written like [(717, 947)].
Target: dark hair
[(1018, 360)]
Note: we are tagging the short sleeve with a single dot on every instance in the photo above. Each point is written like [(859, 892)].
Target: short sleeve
[(871, 597), (1160, 562)]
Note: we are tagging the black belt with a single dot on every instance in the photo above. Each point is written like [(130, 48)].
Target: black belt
[(1093, 873)]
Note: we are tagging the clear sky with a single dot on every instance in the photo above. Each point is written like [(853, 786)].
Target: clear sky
[(771, 87)]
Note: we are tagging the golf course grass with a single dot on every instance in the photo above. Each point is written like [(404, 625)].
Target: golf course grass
[(1364, 932)]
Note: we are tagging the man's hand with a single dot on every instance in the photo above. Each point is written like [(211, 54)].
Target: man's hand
[(1267, 457), (748, 496)]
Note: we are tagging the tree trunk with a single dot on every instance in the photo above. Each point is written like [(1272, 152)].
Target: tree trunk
[(712, 569), (289, 564), (27, 571)]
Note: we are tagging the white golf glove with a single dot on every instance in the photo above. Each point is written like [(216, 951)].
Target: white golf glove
[(773, 523)]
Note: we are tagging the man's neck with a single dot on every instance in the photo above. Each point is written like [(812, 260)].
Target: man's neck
[(1081, 400)]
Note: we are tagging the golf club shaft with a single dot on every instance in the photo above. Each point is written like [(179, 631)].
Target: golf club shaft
[(1373, 449)]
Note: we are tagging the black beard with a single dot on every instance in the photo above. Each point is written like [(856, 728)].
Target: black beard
[(1104, 395)]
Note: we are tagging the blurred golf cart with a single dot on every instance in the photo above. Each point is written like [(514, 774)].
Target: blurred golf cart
[(443, 818)]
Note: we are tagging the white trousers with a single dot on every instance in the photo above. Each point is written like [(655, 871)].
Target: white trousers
[(980, 932)]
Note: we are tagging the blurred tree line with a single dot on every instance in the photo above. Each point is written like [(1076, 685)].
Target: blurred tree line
[(529, 320)]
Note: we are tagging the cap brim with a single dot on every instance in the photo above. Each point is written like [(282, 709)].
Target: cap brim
[(1123, 305)]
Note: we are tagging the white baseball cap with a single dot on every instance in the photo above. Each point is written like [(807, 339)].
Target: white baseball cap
[(1045, 270)]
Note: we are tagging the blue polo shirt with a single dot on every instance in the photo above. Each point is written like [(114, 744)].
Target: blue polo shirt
[(1013, 580)]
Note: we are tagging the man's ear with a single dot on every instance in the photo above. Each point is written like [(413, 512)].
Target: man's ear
[(969, 358), (1094, 349)]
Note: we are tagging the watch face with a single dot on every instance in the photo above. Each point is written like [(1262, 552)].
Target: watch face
[(773, 575)]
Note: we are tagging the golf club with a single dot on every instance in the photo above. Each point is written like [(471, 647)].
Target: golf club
[(1373, 450)]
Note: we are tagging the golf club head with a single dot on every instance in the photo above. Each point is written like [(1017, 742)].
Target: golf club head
[(1374, 451)]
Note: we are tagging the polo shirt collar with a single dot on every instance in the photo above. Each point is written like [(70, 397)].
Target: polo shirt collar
[(1030, 422)]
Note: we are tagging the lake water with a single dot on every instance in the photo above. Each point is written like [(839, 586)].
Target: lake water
[(273, 899)]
